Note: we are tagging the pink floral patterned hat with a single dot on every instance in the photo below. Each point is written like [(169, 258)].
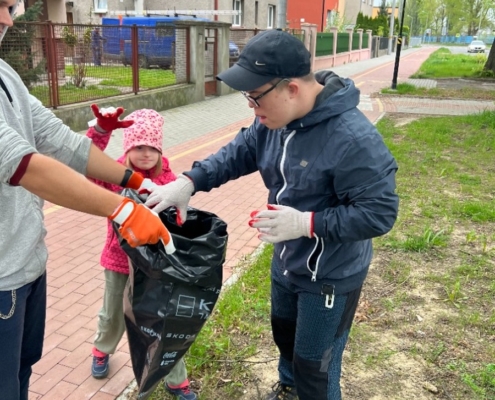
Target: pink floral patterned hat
[(147, 130)]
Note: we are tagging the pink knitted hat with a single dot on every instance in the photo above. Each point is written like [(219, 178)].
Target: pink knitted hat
[(146, 130)]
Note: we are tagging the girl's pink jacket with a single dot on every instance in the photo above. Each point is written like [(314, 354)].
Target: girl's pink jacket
[(112, 256)]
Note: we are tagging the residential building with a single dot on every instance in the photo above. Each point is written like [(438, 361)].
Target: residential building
[(254, 14), (376, 10), (319, 12), (353, 8), (325, 13)]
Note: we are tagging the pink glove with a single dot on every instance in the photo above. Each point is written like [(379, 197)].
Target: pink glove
[(281, 223), (110, 121)]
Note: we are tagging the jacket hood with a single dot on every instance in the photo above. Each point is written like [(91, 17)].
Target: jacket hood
[(338, 95)]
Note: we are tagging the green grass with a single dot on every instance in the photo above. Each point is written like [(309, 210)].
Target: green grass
[(105, 81), (477, 211), (482, 381), (69, 94), (424, 241), (443, 64), (446, 230), (122, 76), (408, 89), (438, 166)]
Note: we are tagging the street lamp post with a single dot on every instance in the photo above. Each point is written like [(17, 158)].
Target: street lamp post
[(399, 46)]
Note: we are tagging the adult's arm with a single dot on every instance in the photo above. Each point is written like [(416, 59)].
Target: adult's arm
[(59, 184), (56, 140)]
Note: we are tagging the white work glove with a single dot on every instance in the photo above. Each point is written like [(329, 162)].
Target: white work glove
[(174, 194), (146, 187), (281, 223)]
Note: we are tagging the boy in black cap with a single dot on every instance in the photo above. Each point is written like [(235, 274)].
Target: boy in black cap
[(331, 183)]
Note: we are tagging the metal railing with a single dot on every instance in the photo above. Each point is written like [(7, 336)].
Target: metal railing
[(240, 36), (64, 64)]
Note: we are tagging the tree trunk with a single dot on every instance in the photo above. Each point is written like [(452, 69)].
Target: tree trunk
[(490, 62)]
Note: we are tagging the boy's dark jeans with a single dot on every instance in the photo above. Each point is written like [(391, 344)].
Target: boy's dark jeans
[(21, 336), (311, 338)]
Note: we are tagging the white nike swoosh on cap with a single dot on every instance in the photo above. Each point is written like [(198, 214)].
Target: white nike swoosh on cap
[(258, 63)]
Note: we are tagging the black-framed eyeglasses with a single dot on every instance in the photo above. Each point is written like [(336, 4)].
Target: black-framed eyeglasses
[(254, 100)]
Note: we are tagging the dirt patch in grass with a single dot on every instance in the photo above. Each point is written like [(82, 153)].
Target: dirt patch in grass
[(263, 368)]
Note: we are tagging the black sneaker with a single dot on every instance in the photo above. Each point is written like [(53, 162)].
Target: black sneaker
[(99, 368), (282, 392)]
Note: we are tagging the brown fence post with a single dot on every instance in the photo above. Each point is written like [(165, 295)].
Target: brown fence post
[(51, 50), (134, 58)]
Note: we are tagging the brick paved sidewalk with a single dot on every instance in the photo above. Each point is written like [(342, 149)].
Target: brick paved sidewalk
[(75, 240)]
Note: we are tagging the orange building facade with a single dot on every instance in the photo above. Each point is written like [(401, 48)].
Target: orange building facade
[(311, 12)]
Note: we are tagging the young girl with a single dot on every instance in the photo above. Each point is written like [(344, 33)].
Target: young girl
[(142, 144)]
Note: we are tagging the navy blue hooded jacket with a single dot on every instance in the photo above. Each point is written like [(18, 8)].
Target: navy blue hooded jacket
[(333, 162)]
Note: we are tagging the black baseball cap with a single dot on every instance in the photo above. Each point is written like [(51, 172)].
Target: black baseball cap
[(268, 55)]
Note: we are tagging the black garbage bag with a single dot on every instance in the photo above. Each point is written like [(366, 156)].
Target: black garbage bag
[(169, 297)]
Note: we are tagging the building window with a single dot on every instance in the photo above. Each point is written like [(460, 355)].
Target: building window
[(331, 18), (237, 19), (256, 13), (271, 16), (100, 5)]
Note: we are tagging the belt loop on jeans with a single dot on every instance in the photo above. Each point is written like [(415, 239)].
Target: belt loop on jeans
[(329, 292)]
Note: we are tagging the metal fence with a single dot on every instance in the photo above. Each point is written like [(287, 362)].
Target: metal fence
[(379, 46), (324, 43), (240, 36), (63, 64), (365, 41)]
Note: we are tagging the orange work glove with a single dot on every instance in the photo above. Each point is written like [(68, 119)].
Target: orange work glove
[(136, 181), (139, 225)]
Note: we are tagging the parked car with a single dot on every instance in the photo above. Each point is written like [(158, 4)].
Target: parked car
[(155, 46), (476, 46), (233, 50), (233, 53)]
